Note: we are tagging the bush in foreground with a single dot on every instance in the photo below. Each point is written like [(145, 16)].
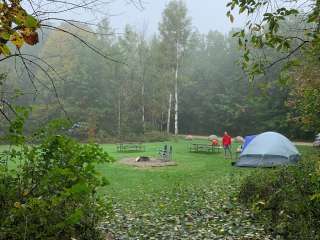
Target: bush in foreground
[(49, 191), (286, 199)]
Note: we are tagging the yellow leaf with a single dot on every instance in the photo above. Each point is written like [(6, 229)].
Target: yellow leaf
[(17, 40), (17, 205), (25, 193), (5, 50), (5, 35)]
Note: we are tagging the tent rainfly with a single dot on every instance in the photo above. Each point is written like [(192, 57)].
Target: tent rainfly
[(247, 140), (267, 150)]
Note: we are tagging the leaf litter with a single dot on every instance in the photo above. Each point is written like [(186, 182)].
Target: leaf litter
[(185, 212)]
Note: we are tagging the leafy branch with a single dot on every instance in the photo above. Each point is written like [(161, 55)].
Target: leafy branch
[(275, 25), (20, 27)]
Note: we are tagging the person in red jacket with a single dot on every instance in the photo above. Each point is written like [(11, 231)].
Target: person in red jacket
[(226, 142)]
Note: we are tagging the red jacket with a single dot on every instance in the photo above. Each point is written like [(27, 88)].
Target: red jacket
[(226, 140)]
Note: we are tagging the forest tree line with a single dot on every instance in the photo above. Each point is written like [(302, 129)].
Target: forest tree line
[(177, 81)]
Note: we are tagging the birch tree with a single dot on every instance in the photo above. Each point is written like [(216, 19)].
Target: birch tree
[(175, 29), (143, 57)]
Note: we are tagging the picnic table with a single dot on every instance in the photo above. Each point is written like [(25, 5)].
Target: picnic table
[(201, 147), (130, 147)]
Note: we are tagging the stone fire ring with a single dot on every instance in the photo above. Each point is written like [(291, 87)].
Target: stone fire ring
[(153, 162)]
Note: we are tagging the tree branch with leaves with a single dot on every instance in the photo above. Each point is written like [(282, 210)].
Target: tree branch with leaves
[(285, 26)]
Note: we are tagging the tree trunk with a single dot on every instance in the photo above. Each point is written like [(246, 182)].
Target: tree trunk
[(161, 125), (142, 63), (143, 108), (119, 114), (176, 106), (169, 113), (116, 77)]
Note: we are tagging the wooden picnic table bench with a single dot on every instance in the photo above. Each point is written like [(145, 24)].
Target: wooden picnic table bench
[(201, 147), (130, 147)]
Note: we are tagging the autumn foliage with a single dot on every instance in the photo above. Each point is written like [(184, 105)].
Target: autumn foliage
[(17, 26)]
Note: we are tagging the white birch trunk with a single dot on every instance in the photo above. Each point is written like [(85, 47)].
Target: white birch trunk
[(169, 114), (142, 60), (176, 106), (143, 108), (161, 125), (119, 113)]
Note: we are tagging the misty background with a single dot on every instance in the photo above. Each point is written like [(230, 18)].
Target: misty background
[(129, 84), (206, 15)]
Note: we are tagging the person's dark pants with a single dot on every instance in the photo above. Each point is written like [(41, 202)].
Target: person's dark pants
[(227, 148)]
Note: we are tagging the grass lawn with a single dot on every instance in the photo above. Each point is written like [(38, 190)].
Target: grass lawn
[(192, 169), (194, 200)]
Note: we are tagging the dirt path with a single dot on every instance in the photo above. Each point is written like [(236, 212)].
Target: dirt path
[(148, 164)]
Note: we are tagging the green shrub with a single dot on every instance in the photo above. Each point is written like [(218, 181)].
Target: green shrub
[(49, 191), (155, 136), (152, 136), (104, 137), (286, 199)]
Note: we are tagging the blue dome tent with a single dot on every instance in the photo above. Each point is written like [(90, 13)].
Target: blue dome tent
[(267, 150), (247, 140)]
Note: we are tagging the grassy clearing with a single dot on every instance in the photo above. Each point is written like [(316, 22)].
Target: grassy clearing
[(192, 169), (194, 200)]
